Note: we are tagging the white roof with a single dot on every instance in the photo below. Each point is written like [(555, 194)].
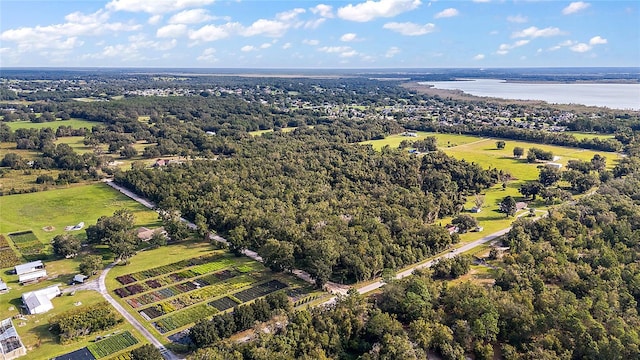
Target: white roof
[(40, 298), (32, 275), (79, 278), (24, 268)]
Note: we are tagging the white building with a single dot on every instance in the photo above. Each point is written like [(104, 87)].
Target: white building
[(39, 301), (30, 271)]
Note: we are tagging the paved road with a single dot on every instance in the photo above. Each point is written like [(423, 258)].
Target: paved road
[(102, 288)]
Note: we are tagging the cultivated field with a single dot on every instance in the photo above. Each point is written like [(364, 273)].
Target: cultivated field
[(190, 281), (444, 140)]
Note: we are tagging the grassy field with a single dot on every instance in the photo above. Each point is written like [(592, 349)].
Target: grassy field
[(260, 132), (444, 140), (59, 208), (74, 123), (581, 135), (483, 151), (34, 329)]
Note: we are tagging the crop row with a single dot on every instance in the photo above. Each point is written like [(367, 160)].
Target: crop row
[(3, 242), (23, 237), (8, 258), (166, 269), (260, 290), (224, 303), (197, 296), (112, 344), (185, 317)]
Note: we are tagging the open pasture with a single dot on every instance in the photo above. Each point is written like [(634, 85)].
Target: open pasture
[(444, 140), (74, 123), (59, 208)]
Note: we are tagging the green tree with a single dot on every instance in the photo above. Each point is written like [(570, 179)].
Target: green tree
[(531, 188), (500, 144), (508, 206), (549, 175), (66, 245), (90, 264), (146, 352), (278, 255), (465, 222), (518, 152), (128, 152)]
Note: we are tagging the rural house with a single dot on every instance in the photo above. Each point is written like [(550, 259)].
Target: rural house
[(30, 272), (39, 301)]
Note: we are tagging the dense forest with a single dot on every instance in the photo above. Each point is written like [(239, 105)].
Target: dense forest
[(342, 211), (567, 288)]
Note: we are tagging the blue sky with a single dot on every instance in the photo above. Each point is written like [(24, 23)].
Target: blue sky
[(319, 34)]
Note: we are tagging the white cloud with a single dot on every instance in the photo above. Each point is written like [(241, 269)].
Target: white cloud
[(193, 16), (446, 13), (350, 53), (208, 55), (312, 42), (534, 32), (290, 15), (580, 47), (562, 44), (214, 32), (348, 37), (248, 48), (478, 57), (370, 9), (171, 31), (393, 51), (65, 36), (265, 46), (287, 46), (134, 50), (481, 1), (518, 19), (597, 40), (335, 49), (314, 24), (265, 27), (323, 10), (155, 6), (409, 28), (155, 19), (574, 7), (503, 49)]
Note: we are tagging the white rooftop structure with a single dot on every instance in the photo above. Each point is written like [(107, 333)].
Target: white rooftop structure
[(29, 267), (39, 301), (11, 346)]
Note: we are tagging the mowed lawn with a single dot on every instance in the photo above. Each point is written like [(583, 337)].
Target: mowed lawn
[(74, 123), (444, 140), (63, 207)]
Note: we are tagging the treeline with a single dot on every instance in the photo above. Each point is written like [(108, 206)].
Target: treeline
[(207, 332), (508, 132), (339, 211), (568, 288), (76, 323)]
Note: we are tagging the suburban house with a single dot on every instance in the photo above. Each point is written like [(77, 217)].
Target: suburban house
[(39, 301), (410, 134), (452, 229), (145, 234), (521, 205), (30, 272), (11, 346)]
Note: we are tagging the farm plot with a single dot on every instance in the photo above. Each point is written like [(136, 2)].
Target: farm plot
[(112, 344), (224, 303), (8, 257), (166, 269), (259, 290), (28, 244), (184, 317)]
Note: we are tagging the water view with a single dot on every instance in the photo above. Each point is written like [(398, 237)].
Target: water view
[(615, 96)]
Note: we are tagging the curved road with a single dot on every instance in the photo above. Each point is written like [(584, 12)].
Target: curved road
[(102, 288)]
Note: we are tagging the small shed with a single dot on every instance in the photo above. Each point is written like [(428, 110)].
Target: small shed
[(554, 165), (3, 287), (79, 278), (32, 276), (39, 301)]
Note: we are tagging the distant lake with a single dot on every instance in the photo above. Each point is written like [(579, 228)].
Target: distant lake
[(615, 96)]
